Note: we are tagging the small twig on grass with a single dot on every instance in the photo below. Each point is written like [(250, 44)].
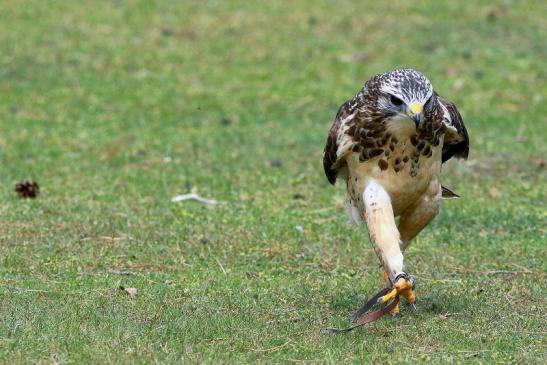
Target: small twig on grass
[(530, 333), (221, 267), (272, 349), (321, 210), (193, 196), (491, 272), (57, 292), (217, 339), (114, 272), (447, 315), (472, 351), (304, 360), (503, 272), (522, 268), (323, 220), (18, 289)]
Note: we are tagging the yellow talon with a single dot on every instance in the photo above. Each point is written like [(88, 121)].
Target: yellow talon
[(392, 294), (395, 310), (401, 287)]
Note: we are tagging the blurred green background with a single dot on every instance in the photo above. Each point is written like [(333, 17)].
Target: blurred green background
[(114, 107)]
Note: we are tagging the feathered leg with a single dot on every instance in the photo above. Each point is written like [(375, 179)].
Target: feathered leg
[(386, 241), (382, 229), (418, 215)]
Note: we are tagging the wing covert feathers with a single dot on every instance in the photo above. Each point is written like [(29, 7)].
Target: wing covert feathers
[(447, 193), (331, 164), (456, 140)]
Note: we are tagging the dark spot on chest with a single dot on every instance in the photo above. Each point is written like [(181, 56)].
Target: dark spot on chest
[(368, 144), (367, 154), (399, 163), (382, 164), (375, 152)]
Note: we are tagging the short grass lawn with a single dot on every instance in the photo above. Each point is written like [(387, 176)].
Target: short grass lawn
[(115, 107)]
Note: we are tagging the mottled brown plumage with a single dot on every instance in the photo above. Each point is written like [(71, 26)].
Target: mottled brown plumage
[(388, 144), (371, 138)]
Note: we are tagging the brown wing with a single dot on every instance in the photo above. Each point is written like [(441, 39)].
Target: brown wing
[(330, 156), (456, 140)]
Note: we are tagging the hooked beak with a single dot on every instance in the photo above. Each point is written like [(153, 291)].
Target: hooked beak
[(415, 112), (416, 118)]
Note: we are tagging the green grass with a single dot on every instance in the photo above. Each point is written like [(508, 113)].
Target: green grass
[(239, 96)]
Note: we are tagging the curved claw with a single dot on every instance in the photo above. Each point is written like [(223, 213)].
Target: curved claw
[(403, 286), (396, 311)]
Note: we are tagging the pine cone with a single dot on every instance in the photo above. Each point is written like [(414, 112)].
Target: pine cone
[(27, 189)]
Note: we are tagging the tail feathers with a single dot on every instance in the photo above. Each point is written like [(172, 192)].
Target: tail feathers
[(448, 194)]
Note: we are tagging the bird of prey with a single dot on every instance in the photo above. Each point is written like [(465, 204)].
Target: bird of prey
[(388, 144)]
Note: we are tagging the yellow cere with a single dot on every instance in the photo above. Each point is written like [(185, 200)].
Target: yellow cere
[(416, 108)]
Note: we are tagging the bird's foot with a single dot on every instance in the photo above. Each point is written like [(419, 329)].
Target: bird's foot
[(403, 284)]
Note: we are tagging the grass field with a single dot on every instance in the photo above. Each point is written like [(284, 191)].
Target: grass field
[(114, 107)]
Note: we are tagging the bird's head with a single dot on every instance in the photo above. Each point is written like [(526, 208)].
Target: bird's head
[(401, 95)]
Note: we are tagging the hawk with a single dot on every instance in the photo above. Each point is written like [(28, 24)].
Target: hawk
[(388, 144)]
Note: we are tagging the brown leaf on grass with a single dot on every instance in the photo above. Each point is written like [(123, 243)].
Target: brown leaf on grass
[(356, 57), (132, 292), (447, 315), (494, 192), (452, 71), (151, 319), (539, 162), (226, 121), (492, 15), (251, 275), (167, 31), (276, 163), (27, 189)]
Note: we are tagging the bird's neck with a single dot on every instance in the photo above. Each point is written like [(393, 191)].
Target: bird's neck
[(402, 128)]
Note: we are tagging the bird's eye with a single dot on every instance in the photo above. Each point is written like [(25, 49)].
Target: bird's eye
[(395, 100)]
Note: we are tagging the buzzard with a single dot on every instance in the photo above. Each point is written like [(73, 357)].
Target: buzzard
[(388, 144)]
